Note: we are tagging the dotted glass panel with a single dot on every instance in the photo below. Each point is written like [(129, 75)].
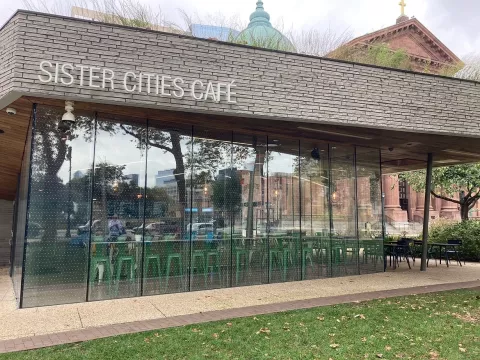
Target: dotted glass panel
[(56, 253)]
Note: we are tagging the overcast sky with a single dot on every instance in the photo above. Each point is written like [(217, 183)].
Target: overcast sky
[(454, 22)]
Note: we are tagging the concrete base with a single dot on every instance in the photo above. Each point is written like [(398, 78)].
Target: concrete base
[(452, 214), (396, 214), (418, 215)]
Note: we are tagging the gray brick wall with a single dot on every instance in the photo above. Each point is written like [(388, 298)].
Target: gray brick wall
[(8, 60), (269, 84)]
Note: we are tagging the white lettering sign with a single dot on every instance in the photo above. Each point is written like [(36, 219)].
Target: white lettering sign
[(69, 74)]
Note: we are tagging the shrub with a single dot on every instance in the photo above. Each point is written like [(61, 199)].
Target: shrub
[(467, 231)]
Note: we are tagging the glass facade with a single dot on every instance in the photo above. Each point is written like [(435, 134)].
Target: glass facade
[(122, 207)]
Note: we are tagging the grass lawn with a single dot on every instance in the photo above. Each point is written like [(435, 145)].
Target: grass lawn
[(435, 326)]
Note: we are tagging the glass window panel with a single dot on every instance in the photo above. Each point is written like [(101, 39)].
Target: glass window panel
[(216, 194), (284, 199), (56, 256), (369, 209), (315, 210), (21, 216), (117, 211), (168, 209), (344, 246), (249, 220)]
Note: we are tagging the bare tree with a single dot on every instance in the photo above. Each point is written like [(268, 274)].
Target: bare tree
[(319, 42), (123, 12)]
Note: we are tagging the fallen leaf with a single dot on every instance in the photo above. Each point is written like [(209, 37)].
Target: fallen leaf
[(229, 324), (462, 349), (334, 346), (364, 339), (388, 348), (361, 316), (321, 318), (380, 356), (263, 331), (215, 336), (147, 340)]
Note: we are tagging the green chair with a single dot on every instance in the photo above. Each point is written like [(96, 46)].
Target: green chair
[(240, 253), (198, 258), (212, 259), (152, 261), (173, 256), (99, 256), (124, 260), (280, 252), (307, 254)]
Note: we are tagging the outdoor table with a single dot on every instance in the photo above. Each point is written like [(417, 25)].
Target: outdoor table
[(446, 246), (393, 252)]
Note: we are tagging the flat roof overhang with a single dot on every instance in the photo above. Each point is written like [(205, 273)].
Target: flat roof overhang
[(401, 151)]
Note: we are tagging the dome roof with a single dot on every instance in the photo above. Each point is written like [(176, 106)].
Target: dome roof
[(469, 72), (261, 33)]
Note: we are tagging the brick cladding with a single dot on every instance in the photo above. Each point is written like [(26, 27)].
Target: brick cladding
[(269, 84)]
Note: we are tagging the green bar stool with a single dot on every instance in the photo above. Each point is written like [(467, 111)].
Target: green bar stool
[(173, 257), (151, 262), (212, 258), (307, 254), (100, 257), (124, 259), (240, 252), (198, 258), (274, 255)]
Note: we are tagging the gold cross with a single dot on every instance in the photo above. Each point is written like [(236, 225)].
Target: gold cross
[(402, 6)]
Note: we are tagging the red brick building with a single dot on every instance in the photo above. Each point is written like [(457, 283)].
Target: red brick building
[(428, 54)]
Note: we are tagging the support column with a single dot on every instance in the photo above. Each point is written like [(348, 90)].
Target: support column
[(426, 215), (393, 211)]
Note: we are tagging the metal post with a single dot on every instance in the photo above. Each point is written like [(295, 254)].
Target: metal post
[(69, 206), (426, 212)]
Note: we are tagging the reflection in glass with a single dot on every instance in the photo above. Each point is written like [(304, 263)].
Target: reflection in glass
[(168, 210), (284, 229), (249, 210), (370, 215), (117, 210), (56, 256), (124, 207), (314, 173), (216, 195), (344, 247)]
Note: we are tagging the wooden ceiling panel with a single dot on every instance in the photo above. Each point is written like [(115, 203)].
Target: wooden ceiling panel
[(12, 144)]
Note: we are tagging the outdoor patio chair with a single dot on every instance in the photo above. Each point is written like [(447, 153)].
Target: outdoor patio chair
[(404, 250), (456, 253)]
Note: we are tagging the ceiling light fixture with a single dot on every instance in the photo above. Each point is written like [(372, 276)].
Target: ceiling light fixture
[(335, 133)]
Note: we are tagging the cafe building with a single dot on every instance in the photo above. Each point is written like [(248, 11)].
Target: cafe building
[(143, 162)]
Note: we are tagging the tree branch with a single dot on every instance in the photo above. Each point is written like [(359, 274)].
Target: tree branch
[(139, 138), (445, 198)]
